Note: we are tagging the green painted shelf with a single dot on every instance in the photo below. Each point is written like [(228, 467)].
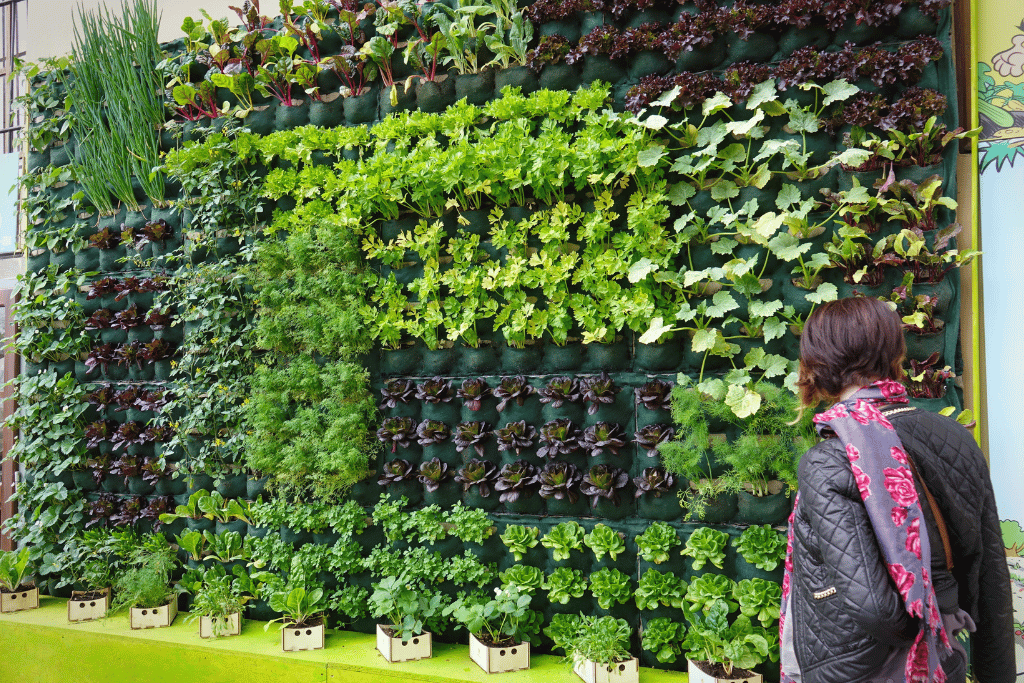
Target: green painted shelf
[(41, 646)]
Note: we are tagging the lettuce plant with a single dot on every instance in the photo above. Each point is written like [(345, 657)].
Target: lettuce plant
[(603, 539), (516, 480), (657, 588), (610, 586), (759, 598), (664, 638), (433, 473), (525, 578), (565, 583), (712, 639), (518, 539), (560, 480), (657, 542), (761, 546), (709, 589), (563, 539), (706, 545)]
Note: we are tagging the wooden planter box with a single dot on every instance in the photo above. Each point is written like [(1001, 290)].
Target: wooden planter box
[(154, 617), (234, 626), (295, 638), (394, 650), (623, 672), (80, 609), (697, 676), (496, 660), (27, 598)]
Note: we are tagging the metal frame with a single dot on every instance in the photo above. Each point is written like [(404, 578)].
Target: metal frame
[(9, 469)]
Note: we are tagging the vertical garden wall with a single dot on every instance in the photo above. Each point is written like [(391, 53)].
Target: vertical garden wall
[(550, 264)]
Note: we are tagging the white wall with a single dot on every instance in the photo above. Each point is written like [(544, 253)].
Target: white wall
[(48, 31)]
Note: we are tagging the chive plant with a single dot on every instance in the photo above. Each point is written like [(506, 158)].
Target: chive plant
[(114, 88)]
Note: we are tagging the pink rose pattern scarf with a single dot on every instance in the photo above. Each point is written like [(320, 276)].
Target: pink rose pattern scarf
[(886, 485)]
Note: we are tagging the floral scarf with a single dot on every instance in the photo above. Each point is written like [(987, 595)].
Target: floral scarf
[(886, 483)]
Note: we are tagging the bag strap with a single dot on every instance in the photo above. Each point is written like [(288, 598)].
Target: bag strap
[(940, 522)]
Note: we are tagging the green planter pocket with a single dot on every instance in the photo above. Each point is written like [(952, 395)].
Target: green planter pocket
[(665, 357), (439, 361), (606, 509), (702, 58), (473, 499), (476, 88), (232, 486), (771, 509), (286, 118), (402, 361), (665, 508), (446, 495), (718, 510), (758, 47), (239, 526), (260, 121), (602, 68), (796, 38), (559, 359), (648, 63), (295, 537), (362, 108), (83, 480), (565, 508), (613, 357), (913, 22), (37, 260), (328, 112), (397, 98), (255, 486), (518, 77), (516, 361), (920, 346), (567, 28), (526, 505), (87, 260), (435, 96), (559, 77), (477, 361), (64, 260), (172, 485), (137, 486), (110, 259)]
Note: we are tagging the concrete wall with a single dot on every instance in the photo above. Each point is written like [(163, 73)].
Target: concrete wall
[(48, 31)]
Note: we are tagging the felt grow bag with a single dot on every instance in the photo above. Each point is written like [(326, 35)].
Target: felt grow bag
[(602, 68), (477, 88), (758, 47), (437, 95), (361, 108), (286, 118), (518, 77), (559, 77), (398, 97), (795, 38), (770, 509), (665, 508)]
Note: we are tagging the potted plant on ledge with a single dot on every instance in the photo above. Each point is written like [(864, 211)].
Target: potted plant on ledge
[(16, 593), (217, 605), (145, 589), (407, 607), (500, 630), (302, 627), (599, 650)]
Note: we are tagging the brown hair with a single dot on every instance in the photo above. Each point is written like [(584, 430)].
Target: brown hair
[(857, 340)]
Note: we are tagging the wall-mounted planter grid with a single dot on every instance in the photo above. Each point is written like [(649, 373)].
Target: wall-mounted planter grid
[(177, 298)]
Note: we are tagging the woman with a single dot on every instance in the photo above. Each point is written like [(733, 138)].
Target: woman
[(870, 591)]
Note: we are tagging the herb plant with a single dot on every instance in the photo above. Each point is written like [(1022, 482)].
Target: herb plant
[(603, 640), (406, 606), (504, 621)]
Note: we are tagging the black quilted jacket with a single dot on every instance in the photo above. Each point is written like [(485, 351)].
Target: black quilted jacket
[(847, 634)]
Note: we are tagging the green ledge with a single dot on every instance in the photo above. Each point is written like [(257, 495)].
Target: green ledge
[(41, 646)]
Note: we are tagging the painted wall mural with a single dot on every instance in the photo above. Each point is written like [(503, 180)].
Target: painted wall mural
[(1001, 171)]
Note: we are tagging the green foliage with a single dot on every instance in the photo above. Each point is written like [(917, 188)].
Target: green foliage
[(147, 583), (524, 578), (603, 539), (217, 598), (14, 567), (406, 606), (712, 639), (604, 640), (562, 629), (470, 525), (564, 583), (656, 542), (761, 546), (664, 638), (759, 599), (310, 424), (298, 605), (610, 586), (390, 516), (707, 590), (505, 620), (657, 588), (563, 539), (706, 544)]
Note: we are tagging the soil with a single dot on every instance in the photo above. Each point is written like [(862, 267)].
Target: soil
[(22, 587), (88, 595), (486, 640), (718, 671), (313, 621)]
